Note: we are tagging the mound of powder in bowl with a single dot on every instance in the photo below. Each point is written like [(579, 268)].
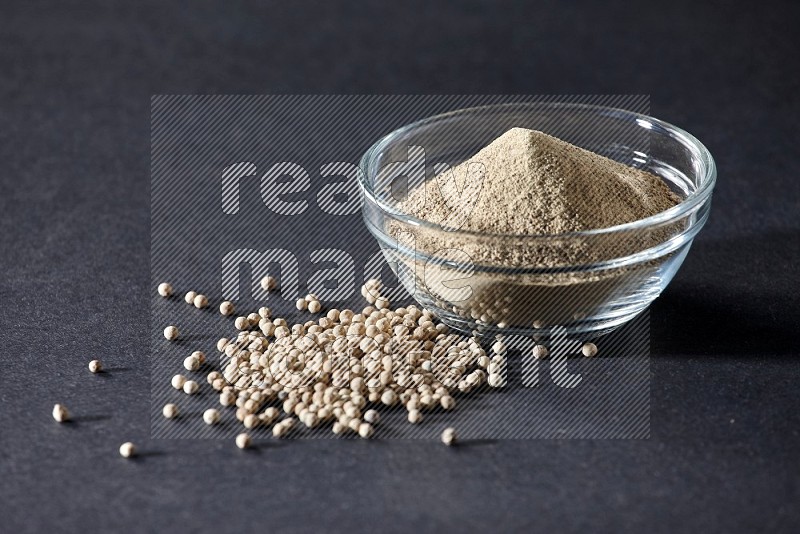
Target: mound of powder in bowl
[(529, 183)]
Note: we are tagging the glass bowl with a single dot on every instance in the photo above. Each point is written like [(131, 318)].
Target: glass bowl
[(605, 277)]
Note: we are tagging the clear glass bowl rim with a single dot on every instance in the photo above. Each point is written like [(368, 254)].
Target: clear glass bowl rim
[(700, 195)]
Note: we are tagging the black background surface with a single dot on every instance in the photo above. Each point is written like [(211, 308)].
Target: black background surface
[(75, 86)]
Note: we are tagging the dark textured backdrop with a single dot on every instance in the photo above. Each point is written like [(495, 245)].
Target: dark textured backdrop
[(75, 86)]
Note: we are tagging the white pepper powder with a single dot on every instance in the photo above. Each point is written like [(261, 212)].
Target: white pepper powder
[(536, 184)]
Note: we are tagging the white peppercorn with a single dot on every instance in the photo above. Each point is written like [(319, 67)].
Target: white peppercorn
[(372, 416), (354, 423), (227, 308), (346, 317), (314, 306), (268, 283), (449, 436), (127, 450), (191, 363), (211, 416), (60, 413), (170, 411), (496, 380), (251, 421), (227, 398), (243, 441), (310, 419), (389, 397), (200, 301), (281, 331), (178, 381), (373, 284), (365, 430), (279, 430), (171, 333), (540, 352), (213, 376), (95, 366), (414, 416), (165, 290), (190, 387), (189, 297), (589, 349), (447, 402)]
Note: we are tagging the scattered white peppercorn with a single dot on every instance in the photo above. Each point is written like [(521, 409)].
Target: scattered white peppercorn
[(389, 397), (200, 301), (60, 413), (165, 290), (372, 416), (449, 436), (354, 424), (251, 421), (279, 430), (170, 411), (365, 430), (589, 349), (171, 333), (227, 398), (282, 331), (393, 356), (211, 416), (127, 450), (189, 297), (496, 380), (95, 366), (447, 402), (191, 363), (178, 381), (227, 308), (268, 283), (540, 352), (243, 441)]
